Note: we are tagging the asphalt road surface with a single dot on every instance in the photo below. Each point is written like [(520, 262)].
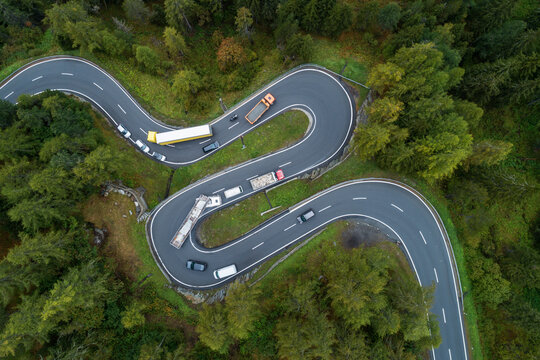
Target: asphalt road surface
[(400, 212)]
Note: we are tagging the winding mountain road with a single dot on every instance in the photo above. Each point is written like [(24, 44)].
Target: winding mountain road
[(398, 210)]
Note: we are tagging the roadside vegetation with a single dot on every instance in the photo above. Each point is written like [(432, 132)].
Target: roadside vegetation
[(456, 115)]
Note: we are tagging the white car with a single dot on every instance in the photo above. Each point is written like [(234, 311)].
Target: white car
[(123, 131), (144, 148), (158, 156)]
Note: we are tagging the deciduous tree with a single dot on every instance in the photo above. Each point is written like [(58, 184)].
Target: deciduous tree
[(230, 54), (176, 45), (389, 16)]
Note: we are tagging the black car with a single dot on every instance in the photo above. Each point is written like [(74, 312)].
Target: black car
[(196, 265), (213, 146), (234, 117)]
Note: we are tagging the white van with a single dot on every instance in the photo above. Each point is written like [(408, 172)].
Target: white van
[(233, 192), (225, 272)]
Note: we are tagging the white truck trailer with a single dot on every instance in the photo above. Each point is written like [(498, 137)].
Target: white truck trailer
[(189, 221)]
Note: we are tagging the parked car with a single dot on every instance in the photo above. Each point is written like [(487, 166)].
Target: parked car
[(123, 131), (234, 117), (159, 156), (305, 216), (280, 175), (196, 265), (144, 148), (211, 147)]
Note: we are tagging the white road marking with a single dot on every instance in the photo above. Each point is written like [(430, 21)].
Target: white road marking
[(423, 238), (67, 74), (450, 353), (8, 95), (396, 207), (293, 225), (121, 108), (328, 207), (143, 131), (169, 145), (39, 77), (253, 248), (253, 177), (233, 125), (436, 277), (202, 142), (99, 87), (290, 162), (215, 192), (444, 315), (360, 198)]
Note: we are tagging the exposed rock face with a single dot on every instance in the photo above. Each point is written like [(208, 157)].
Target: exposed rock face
[(100, 236)]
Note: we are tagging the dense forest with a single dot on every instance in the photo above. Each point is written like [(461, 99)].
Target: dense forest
[(457, 106)]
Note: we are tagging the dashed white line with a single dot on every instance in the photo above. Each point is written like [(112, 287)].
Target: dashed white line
[(99, 87), (8, 95), (233, 125), (396, 207), (450, 353), (360, 198), (39, 77), (293, 225), (202, 142), (423, 238), (67, 74), (253, 248), (328, 207), (143, 131), (444, 315), (289, 163), (253, 177), (436, 277), (121, 108), (215, 192)]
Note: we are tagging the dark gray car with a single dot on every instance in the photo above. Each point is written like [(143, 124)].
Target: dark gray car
[(211, 147), (196, 265)]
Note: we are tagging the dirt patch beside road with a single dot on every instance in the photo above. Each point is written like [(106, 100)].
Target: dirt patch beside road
[(113, 213)]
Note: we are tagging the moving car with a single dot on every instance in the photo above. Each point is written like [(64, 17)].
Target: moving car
[(196, 265), (211, 147), (225, 271), (159, 156), (234, 117), (305, 216), (123, 131), (233, 192), (144, 148)]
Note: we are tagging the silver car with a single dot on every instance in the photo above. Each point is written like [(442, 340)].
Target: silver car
[(158, 156)]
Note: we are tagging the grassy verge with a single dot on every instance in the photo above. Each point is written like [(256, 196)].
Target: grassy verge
[(278, 133)]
